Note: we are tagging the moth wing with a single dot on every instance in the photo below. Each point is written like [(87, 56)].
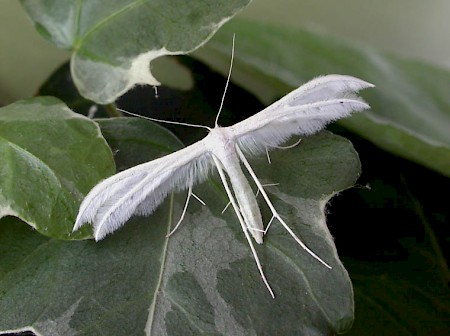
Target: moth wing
[(141, 189), (324, 88), (303, 111)]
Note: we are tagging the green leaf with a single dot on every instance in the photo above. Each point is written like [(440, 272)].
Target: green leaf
[(60, 85), (410, 113), (50, 158), (403, 290), (114, 42), (202, 279), (392, 237), (400, 298)]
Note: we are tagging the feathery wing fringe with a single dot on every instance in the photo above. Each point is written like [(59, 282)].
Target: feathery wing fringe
[(304, 111), (141, 189)]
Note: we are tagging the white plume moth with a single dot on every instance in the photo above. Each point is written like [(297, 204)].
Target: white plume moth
[(141, 189)]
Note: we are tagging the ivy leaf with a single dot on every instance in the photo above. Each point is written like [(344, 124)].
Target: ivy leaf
[(410, 106), (113, 42), (44, 149), (202, 279)]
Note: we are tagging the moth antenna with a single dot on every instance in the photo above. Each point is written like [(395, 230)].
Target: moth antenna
[(226, 85), (163, 121)]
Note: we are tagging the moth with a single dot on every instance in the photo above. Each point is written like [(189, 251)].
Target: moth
[(141, 189)]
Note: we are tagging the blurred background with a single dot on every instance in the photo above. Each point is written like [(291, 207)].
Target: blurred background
[(411, 28)]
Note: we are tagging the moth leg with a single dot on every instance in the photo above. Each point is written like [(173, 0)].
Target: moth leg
[(289, 146), (275, 214), (226, 207), (266, 185), (198, 198), (268, 156), (243, 225), (282, 147), (183, 213), (256, 195), (269, 224)]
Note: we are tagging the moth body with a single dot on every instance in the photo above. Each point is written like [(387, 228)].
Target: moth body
[(223, 147)]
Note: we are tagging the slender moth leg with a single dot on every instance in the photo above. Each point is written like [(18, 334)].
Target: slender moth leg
[(256, 195), (226, 207), (250, 228), (241, 221), (266, 185), (290, 146), (268, 156), (183, 213), (269, 224), (190, 193), (282, 147), (198, 198), (274, 212)]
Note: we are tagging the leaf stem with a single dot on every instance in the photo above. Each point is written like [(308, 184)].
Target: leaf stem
[(112, 110)]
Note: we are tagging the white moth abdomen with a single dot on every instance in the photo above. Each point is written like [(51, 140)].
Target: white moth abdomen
[(225, 152), (246, 200)]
